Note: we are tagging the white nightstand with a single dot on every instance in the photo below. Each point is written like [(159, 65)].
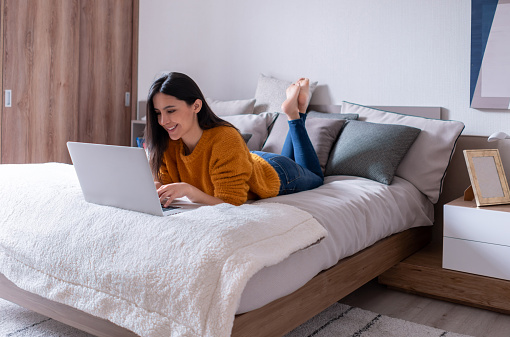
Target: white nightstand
[(474, 242), (477, 239)]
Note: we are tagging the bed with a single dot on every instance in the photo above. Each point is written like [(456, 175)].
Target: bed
[(370, 225)]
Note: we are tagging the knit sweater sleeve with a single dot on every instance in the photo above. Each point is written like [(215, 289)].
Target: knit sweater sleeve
[(168, 172), (231, 167), (164, 176)]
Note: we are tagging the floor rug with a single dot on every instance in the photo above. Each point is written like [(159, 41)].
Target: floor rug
[(339, 320)]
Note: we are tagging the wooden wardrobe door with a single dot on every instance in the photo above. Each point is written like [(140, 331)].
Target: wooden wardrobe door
[(40, 56), (105, 71), (1, 71)]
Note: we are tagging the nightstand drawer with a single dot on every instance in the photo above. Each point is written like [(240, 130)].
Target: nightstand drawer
[(476, 257), (477, 224)]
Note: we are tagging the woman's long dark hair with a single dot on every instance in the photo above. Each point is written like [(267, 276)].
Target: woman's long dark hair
[(183, 88)]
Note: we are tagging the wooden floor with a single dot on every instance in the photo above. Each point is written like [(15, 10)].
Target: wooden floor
[(435, 313)]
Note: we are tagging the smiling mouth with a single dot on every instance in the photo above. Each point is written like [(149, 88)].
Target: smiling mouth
[(172, 128)]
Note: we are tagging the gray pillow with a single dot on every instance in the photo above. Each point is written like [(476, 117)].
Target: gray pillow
[(322, 133), (274, 142), (370, 150), (246, 137), (229, 108), (256, 125), (270, 93)]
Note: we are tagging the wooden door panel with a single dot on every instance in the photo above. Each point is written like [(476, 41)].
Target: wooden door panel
[(105, 71), (40, 59), (1, 71)]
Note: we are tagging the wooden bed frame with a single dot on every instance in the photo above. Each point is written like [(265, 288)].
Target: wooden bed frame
[(281, 315)]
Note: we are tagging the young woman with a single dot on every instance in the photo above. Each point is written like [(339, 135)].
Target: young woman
[(195, 154)]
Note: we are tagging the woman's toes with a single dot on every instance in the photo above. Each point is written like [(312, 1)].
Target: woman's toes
[(304, 94), (290, 105)]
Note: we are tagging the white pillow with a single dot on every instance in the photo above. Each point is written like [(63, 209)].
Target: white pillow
[(270, 93), (255, 125), (425, 163), (229, 108)]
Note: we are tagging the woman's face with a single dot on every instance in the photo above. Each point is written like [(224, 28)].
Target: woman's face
[(178, 118)]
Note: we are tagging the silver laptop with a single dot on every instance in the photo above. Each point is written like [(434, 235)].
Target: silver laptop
[(119, 176)]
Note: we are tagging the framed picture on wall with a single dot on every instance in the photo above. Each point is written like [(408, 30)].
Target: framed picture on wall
[(490, 47), (487, 176)]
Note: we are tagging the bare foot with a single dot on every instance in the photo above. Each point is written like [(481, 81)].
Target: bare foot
[(304, 94), (290, 105)]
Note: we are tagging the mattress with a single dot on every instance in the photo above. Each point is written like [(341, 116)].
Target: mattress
[(356, 212)]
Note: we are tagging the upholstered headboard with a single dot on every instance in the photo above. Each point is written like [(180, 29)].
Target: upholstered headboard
[(428, 112)]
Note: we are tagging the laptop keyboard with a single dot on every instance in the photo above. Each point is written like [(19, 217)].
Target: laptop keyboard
[(169, 208)]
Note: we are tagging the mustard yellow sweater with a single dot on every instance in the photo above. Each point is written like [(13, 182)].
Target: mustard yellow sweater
[(222, 166)]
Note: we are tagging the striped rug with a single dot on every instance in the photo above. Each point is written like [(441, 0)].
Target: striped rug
[(339, 320)]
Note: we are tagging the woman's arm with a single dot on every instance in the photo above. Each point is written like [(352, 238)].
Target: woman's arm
[(167, 193)]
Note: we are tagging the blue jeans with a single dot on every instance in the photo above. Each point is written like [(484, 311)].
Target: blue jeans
[(298, 166)]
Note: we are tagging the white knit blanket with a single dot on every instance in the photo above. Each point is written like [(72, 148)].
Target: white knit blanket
[(181, 275)]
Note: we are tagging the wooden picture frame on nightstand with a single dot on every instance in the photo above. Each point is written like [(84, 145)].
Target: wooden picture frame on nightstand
[(488, 180)]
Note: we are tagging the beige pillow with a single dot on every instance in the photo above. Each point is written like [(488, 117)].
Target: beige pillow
[(426, 161), (270, 93), (322, 133), (254, 125), (229, 108)]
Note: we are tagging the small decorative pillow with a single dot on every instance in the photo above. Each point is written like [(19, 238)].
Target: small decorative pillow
[(370, 150), (246, 137), (270, 93), (256, 125), (322, 133), (427, 160), (229, 108)]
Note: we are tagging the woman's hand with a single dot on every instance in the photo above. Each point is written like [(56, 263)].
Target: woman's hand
[(167, 193)]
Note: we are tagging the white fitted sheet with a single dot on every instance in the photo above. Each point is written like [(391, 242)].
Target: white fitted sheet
[(356, 212)]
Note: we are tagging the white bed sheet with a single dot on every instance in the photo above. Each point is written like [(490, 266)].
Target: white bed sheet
[(357, 212)]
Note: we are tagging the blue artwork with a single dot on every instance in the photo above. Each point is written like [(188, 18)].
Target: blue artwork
[(490, 47)]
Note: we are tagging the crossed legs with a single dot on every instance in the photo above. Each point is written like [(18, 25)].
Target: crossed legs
[(297, 144)]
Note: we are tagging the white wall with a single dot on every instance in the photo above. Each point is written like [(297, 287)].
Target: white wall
[(373, 52)]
